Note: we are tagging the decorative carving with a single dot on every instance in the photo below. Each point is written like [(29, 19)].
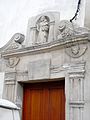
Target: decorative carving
[(75, 67), (76, 50), (12, 62), (13, 46), (10, 84), (14, 43), (66, 29), (42, 29), (76, 73), (56, 68), (77, 104), (19, 38)]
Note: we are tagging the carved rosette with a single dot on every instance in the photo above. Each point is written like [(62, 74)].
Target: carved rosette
[(76, 73)]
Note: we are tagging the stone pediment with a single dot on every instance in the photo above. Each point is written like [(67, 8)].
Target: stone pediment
[(46, 32)]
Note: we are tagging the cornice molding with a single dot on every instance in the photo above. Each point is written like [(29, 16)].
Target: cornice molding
[(48, 46)]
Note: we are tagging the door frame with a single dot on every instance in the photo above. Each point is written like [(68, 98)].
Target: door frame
[(47, 82)]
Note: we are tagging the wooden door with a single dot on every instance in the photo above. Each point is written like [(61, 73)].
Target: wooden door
[(44, 101)]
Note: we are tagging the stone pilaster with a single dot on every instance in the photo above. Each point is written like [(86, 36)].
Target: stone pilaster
[(76, 74), (10, 86)]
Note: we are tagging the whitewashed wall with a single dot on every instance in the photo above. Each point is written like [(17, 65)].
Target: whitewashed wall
[(14, 14), (1, 83), (87, 14)]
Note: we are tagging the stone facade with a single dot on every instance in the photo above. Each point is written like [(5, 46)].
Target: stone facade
[(59, 49)]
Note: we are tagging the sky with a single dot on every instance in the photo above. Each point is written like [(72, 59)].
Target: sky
[(14, 14)]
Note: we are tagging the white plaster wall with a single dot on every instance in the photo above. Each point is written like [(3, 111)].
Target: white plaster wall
[(9, 114), (14, 14), (1, 83), (87, 14)]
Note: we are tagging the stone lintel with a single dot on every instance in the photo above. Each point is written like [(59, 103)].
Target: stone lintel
[(39, 69)]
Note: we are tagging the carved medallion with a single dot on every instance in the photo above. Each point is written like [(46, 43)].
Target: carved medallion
[(76, 50), (12, 62)]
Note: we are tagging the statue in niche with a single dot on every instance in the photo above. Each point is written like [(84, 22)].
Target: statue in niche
[(42, 29)]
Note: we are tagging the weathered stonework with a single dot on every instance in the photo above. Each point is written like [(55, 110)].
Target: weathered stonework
[(10, 85), (59, 50), (76, 88), (39, 69), (49, 24), (12, 62)]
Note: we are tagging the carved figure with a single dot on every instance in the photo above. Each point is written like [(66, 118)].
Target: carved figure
[(65, 29), (75, 49), (43, 29), (12, 62)]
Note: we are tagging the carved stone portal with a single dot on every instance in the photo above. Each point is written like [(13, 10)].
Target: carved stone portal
[(44, 58)]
